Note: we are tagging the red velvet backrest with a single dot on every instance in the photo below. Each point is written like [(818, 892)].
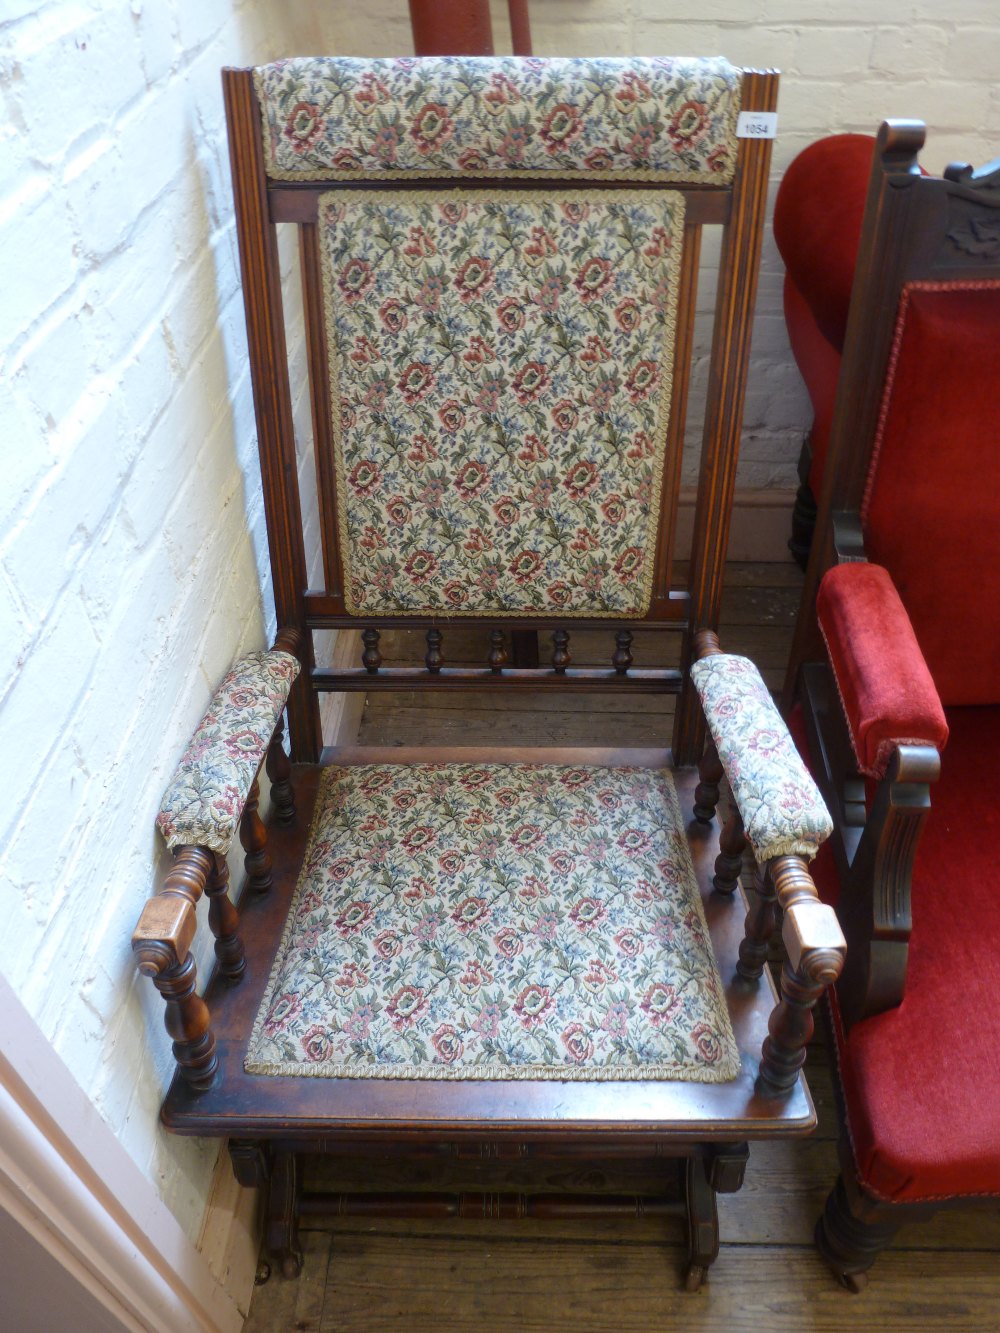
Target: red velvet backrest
[(930, 506), (817, 225)]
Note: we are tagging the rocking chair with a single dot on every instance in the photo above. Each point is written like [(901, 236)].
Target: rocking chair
[(515, 953)]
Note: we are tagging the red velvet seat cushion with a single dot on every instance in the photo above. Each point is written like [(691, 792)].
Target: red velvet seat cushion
[(886, 690), (817, 225), (930, 513), (922, 1081)]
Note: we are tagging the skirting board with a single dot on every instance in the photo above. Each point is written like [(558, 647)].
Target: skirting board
[(69, 1184), (761, 524)]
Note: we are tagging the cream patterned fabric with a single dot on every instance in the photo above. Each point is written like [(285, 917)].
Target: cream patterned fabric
[(502, 365), (203, 803), (496, 922), (341, 118), (783, 812)]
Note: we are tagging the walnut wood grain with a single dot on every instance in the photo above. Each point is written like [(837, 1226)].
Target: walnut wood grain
[(162, 947), (815, 957), (738, 270)]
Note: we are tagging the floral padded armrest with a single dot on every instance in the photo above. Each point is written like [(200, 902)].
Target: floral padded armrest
[(783, 813), (203, 803)]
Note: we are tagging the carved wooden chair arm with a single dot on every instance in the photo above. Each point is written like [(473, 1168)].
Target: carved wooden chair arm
[(213, 792), (779, 811)]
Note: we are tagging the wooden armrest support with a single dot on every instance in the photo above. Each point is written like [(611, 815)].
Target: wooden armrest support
[(810, 931), (874, 906), (162, 947), (166, 928), (816, 951)]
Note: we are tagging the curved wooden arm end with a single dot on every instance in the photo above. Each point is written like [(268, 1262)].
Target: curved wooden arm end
[(161, 943), (816, 950)]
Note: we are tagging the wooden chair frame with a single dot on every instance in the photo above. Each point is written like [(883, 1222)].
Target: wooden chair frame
[(697, 1132)]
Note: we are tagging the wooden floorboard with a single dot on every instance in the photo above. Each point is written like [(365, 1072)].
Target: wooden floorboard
[(615, 1274)]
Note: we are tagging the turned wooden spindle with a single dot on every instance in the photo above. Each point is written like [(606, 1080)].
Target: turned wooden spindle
[(560, 651), (706, 794), (279, 772), (498, 652), (434, 659), (706, 644), (815, 947), (288, 640), (759, 929), (253, 839), (161, 943), (224, 921), (622, 657), (729, 862), (371, 658)]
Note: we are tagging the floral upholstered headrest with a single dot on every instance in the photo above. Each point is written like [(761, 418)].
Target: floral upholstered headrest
[(343, 118)]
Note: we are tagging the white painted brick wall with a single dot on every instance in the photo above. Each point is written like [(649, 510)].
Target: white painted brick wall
[(133, 564), (844, 66)]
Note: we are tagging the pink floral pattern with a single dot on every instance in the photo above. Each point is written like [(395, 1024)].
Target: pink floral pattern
[(782, 810), (506, 921), (342, 118), (501, 370), (203, 804)]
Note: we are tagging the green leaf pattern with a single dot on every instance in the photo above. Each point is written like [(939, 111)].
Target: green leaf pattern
[(345, 118), (500, 366), (499, 921), (206, 795), (783, 812)]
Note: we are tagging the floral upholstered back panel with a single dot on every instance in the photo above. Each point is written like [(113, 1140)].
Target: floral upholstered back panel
[(502, 369), (343, 118), (500, 360)]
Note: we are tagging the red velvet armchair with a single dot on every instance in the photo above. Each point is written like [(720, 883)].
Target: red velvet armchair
[(817, 227), (901, 724)]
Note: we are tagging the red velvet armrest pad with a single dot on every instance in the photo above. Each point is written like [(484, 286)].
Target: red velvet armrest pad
[(886, 689)]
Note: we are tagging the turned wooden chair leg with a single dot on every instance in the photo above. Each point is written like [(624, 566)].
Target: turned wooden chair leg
[(755, 945), (815, 947), (282, 1227), (706, 794), (850, 1235), (253, 839), (729, 862), (702, 1222), (162, 947), (224, 921), (279, 772)]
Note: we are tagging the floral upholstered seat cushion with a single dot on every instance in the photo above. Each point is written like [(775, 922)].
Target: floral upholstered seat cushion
[(501, 374), (344, 118), (206, 795), (496, 922), (782, 810)]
